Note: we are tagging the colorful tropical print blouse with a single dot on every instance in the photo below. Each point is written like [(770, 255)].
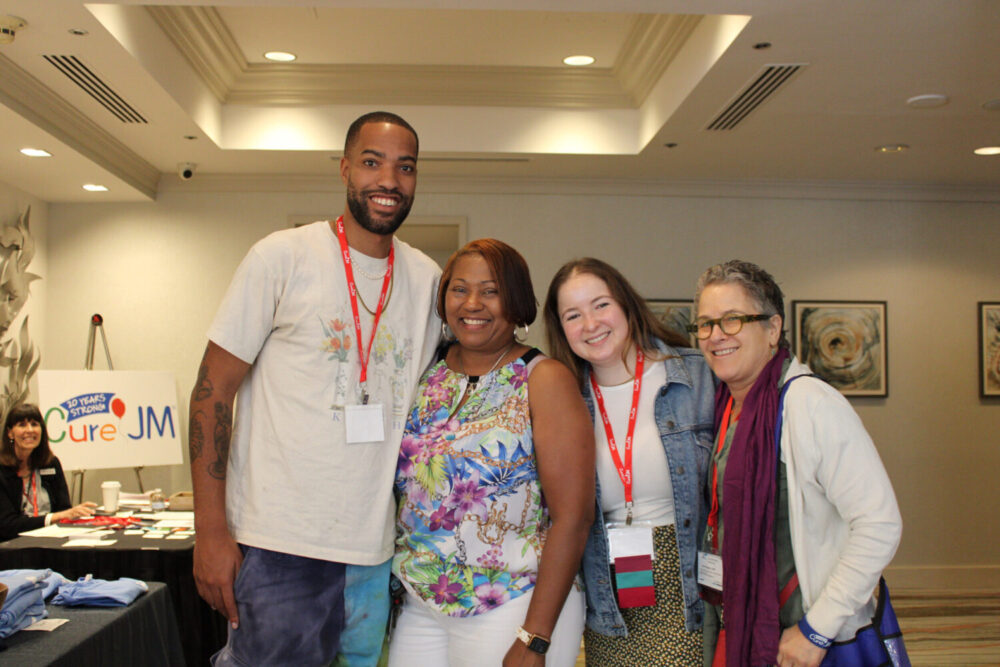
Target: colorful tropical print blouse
[(471, 522)]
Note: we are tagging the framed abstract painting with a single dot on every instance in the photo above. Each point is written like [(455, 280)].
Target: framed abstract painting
[(844, 342), (989, 349)]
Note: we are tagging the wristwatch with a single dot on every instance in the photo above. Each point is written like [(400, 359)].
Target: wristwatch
[(536, 643)]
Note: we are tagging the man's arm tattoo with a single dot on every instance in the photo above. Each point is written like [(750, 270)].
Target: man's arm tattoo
[(203, 386), (223, 434), (196, 436)]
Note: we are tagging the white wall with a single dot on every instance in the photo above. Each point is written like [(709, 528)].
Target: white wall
[(157, 272)]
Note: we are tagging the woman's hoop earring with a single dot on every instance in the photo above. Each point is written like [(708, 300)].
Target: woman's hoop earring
[(446, 332), (518, 337)]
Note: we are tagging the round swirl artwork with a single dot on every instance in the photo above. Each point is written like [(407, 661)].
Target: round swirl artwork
[(844, 343)]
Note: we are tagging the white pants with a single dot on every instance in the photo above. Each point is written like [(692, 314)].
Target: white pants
[(424, 637)]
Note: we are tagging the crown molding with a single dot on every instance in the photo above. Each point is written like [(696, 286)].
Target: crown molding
[(27, 96), (550, 87), (202, 36), (653, 43), (493, 185)]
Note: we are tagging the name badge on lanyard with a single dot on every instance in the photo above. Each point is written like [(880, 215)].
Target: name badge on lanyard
[(710, 562), (630, 546), (364, 422), (710, 570)]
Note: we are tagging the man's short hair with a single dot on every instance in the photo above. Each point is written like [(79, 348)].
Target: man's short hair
[(376, 117)]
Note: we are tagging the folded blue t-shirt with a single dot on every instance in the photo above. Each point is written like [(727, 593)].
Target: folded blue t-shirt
[(25, 601), (90, 592)]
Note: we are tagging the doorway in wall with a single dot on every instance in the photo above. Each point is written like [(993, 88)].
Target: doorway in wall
[(438, 236)]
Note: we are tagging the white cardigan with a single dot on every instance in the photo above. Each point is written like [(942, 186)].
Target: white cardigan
[(845, 522)]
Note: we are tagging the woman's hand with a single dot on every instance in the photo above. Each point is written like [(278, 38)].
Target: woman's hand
[(519, 655), (794, 650), (81, 511)]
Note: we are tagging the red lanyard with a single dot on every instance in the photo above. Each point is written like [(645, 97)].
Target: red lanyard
[(624, 471), (34, 492), (713, 515), (363, 355)]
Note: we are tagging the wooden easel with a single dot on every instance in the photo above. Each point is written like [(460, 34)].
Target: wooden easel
[(97, 323)]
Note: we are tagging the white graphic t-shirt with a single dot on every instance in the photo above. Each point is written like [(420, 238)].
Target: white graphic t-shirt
[(294, 484)]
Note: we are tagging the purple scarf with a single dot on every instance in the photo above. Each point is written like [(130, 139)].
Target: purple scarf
[(750, 580)]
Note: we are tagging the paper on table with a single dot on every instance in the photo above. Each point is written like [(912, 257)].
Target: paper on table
[(174, 523), (96, 534), (89, 543), (165, 516), (135, 497), (56, 530), (47, 624)]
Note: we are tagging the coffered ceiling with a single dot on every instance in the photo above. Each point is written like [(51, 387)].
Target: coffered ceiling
[(718, 92)]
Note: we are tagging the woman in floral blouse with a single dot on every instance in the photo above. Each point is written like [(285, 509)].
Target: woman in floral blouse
[(495, 484)]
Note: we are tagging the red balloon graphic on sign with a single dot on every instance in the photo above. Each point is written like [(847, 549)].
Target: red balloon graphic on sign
[(118, 407)]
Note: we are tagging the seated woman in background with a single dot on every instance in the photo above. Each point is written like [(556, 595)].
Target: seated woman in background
[(629, 365), (807, 535), (494, 483), (34, 491)]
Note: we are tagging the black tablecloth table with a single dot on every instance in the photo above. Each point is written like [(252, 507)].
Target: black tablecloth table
[(202, 630), (144, 633)]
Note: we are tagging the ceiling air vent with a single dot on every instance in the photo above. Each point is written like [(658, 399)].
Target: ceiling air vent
[(92, 84), (761, 88)]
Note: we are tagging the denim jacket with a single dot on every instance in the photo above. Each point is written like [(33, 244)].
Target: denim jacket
[(684, 417)]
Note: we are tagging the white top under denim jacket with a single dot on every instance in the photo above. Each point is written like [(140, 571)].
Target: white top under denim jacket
[(684, 416), (845, 522)]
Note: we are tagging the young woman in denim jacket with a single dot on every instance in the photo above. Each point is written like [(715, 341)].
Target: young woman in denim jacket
[(602, 329)]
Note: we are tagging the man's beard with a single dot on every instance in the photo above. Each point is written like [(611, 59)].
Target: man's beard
[(357, 203)]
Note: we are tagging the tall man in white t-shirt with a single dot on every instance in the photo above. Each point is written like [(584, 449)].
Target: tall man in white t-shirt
[(322, 336)]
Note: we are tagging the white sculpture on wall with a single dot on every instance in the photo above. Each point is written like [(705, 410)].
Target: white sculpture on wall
[(17, 354)]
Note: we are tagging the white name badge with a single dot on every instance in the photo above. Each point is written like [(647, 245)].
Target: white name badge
[(710, 570), (364, 423), (47, 471), (634, 540)]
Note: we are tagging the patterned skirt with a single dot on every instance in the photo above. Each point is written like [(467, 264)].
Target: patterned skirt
[(656, 635)]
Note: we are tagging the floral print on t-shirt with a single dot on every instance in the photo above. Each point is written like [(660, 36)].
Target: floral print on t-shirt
[(471, 521)]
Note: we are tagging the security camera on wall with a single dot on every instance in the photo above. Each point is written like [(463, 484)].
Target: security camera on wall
[(186, 170)]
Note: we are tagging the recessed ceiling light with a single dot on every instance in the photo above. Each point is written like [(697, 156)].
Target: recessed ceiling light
[(987, 150), (760, 46), (280, 56), (927, 101), (891, 148), (578, 61), (94, 187), (35, 152), (78, 32)]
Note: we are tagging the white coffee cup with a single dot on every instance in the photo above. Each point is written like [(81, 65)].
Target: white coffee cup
[(110, 491)]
